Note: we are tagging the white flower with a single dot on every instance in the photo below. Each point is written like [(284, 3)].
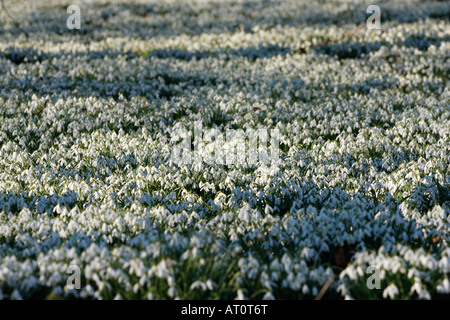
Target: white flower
[(199, 284), (210, 284), (390, 292), (172, 292), (16, 295), (424, 295), (443, 287), (305, 289), (417, 287), (240, 295)]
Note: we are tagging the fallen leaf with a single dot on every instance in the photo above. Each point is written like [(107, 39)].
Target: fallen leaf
[(340, 259)]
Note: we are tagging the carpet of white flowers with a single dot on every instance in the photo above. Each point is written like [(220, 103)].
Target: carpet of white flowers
[(86, 133)]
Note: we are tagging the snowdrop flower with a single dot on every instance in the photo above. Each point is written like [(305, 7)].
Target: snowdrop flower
[(391, 291), (199, 285), (210, 284), (424, 295), (443, 287), (172, 292), (267, 296), (16, 295), (417, 287), (240, 295)]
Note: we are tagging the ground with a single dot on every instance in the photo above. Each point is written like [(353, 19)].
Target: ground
[(358, 139)]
